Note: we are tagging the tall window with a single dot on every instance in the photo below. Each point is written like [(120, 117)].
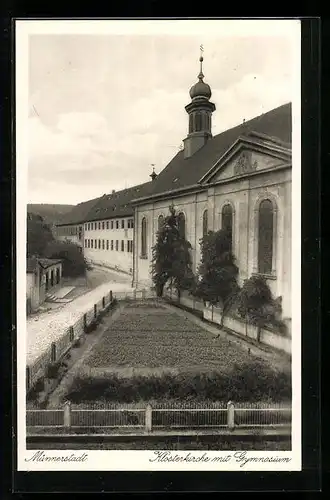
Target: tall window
[(117, 242), (102, 244), (191, 124), (112, 224), (107, 244), (103, 225), (205, 223), (198, 118), (227, 221), (265, 237), (95, 243), (99, 225), (144, 237), (182, 224), (107, 224), (117, 224), (160, 222), (122, 245), (99, 244), (111, 246), (123, 223)]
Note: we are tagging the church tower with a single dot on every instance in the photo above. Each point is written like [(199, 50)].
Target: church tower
[(200, 111)]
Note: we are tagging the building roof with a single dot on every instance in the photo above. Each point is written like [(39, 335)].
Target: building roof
[(78, 213), (117, 204), (48, 262), (184, 172)]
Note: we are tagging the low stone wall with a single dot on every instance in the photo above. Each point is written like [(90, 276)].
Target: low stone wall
[(267, 336), (234, 323)]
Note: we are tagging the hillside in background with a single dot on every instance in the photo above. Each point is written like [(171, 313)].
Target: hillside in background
[(51, 213)]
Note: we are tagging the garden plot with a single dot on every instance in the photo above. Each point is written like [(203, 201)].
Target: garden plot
[(156, 337)]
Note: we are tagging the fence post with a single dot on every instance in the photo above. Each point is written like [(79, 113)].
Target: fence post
[(148, 421), (103, 302), (67, 414), (110, 295), (71, 334), (53, 352), (230, 415), (95, 311), (28, 378)]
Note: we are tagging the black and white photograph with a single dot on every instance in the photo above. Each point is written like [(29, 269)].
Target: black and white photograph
[(158, 245)]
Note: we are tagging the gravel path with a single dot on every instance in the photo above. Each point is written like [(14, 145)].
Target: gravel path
[(47, 327)]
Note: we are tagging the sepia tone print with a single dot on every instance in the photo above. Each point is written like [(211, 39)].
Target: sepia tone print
[(158, 276)]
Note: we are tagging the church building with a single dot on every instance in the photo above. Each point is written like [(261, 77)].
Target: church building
[(239, 180)]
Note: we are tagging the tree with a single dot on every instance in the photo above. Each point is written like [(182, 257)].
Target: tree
[(217, 273), (39, 235), (257, 305), (171, 259), (73, 261)]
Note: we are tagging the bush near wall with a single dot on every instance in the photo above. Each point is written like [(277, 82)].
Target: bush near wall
[(252, 381)]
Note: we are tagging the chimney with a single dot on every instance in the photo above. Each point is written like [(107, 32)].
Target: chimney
[(113, 191)]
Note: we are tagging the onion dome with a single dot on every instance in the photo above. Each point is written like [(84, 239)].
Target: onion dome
[(200, 89)]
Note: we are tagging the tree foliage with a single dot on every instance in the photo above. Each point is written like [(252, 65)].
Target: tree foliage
[(73, 261), (171, 259), (257, 305), (217, 273), (39, 235)]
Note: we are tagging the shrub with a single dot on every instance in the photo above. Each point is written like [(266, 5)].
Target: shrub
[(256, 304), (248, 383), (53, 369)]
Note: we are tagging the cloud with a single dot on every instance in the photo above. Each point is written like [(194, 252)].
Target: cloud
[(103, 108)]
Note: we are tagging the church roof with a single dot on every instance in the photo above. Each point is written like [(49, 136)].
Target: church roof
[(184, 172), (117, 204), (78, 213)]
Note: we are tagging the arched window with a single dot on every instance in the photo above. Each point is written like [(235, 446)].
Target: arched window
[(265, 237), (144, 237), (182, 224), (160, 222), (205, 228), (227, 221)]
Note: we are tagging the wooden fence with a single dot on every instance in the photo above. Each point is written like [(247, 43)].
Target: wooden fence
[(217, 416)]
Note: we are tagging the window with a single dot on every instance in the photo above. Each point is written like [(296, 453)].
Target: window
[(111, 245), (160, 222), (95, 243), (85, 226), (191, 124), (99, 244), (103, 225), (107, 244), (123, 224), (107, 224), (92, 241), (102, 244), (117, 224), (112, 224), (182, 224), (132, 223), (198, 121), (85, 243), (99, 225), (122, 245), (227, 221), (117, 242), (128, 245), (205, 223), (265, 237), (144, 237)]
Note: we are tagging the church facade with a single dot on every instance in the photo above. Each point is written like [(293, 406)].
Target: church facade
[(239, 180)]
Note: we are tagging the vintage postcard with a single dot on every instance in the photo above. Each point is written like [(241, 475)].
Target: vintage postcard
[(158, 245)]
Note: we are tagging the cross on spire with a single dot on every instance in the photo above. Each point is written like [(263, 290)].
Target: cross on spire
[(201, 59)]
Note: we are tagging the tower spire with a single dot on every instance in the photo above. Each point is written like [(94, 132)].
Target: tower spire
[(201, 59)]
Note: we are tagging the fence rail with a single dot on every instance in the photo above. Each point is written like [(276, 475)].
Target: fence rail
[(150, 418), (57, 349)]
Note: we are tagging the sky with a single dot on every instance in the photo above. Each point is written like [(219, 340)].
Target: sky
[(102, 108)]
